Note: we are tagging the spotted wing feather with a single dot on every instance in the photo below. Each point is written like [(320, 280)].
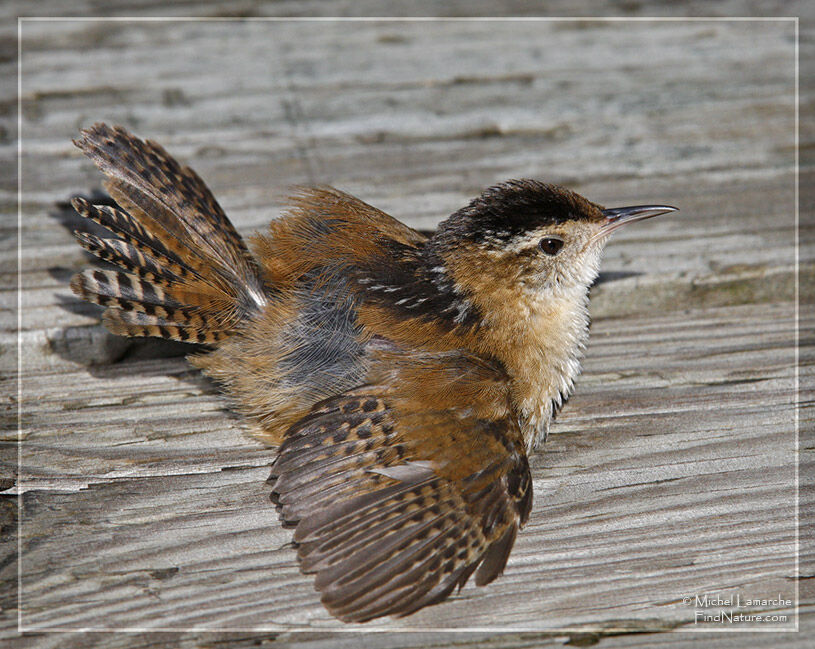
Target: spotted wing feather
[(388, 521)]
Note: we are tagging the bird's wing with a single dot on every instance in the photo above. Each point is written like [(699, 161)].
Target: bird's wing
[(400, 490), (327, 233), (330, 204)]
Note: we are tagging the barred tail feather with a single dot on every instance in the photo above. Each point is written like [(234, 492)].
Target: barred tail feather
[(147, 177), (148, 237), (128, 257), (133, 324), (137, 307), (189, 276)]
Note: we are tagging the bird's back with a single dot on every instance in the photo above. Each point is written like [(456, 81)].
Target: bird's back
[(309, 343)]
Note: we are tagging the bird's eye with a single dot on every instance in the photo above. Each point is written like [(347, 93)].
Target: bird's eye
[(551, 245)]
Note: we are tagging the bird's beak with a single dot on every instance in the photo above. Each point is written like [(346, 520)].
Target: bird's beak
[(616, 217)]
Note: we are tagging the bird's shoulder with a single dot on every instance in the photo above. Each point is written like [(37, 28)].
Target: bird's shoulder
[(329, 231), (330, 249)]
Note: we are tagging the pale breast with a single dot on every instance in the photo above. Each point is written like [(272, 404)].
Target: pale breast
[(546, 360)]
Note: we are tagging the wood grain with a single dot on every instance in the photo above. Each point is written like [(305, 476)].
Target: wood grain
[(669, 474)]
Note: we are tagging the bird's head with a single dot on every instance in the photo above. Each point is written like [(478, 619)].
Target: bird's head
[(524, 237), (520, 259)]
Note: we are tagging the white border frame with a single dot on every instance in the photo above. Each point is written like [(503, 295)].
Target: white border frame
[(359, 628)]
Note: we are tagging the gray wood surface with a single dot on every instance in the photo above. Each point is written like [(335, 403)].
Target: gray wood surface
[(669, 474)]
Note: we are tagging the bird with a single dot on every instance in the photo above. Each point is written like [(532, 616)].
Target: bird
[(404, 378)]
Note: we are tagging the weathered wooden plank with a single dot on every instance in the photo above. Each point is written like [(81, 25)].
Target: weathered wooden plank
[(653, 455), (667, 475)]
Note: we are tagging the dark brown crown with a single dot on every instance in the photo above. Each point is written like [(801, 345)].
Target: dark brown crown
[(512, 208)]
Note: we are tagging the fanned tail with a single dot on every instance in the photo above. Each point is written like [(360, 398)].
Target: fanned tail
[(189, 276)]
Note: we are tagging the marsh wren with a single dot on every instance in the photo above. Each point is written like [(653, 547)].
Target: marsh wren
[(404, 378)]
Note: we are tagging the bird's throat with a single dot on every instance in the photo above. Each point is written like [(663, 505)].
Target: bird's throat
[(541, 349)]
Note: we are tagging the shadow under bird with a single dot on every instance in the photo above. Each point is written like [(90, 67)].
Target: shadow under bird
[(405, 378)]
